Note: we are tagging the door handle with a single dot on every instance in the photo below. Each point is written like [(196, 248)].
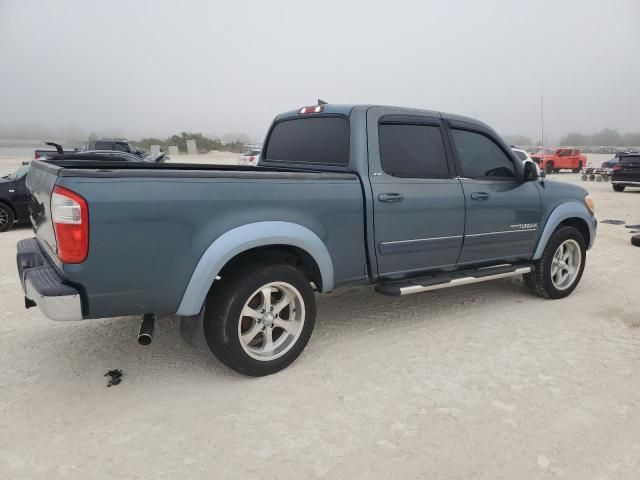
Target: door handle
[(390, 197), (479, 196)]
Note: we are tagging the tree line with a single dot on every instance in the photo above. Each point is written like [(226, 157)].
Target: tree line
[(203, 143), (606, 137)]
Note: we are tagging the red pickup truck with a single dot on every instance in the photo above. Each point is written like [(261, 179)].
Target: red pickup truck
[(554, 159)]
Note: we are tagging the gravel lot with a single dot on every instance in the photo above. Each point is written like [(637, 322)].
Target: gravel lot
[(480, 382)]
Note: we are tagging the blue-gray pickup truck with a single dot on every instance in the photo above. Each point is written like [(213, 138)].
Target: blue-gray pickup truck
[(408, 200)]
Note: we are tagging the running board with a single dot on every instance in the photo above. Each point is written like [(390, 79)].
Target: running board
[(450, 279)]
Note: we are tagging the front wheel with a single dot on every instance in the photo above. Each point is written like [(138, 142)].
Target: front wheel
[(6, 218), (548, 167), (560, 268), (258, 320)]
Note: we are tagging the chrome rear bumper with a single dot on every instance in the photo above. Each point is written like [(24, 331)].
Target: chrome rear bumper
[(43, 286)]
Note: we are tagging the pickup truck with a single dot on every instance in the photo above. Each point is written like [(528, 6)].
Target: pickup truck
[(554, 159), (97, 145), (408, 200)]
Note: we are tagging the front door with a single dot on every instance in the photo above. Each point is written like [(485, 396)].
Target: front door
[(418, 203), (503, 212)]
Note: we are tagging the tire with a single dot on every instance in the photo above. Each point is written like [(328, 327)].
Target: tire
[(577, 170), (584, 177), (242, 291), (7, 218), (592, 177), (598, 178), (541, 279), (635, 240), (548, 167), (606, 178), (618, 188)]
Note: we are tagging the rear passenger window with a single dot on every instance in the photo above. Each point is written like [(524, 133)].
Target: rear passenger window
[(481, 157), (103, 146), (412, 151), (317, 140)]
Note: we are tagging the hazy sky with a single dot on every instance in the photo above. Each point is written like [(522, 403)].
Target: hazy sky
[(157, 67)]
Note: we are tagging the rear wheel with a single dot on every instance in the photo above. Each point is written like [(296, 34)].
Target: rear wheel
[(259, 319), (6, 218), (560, 268), (618, 188), (577, 170)]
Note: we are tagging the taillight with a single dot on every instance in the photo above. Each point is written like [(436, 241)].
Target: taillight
[(251, 159), (312, 109), (70, 216), (617, 167)]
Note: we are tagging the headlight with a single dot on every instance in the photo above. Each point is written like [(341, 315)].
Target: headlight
[(590, 205)]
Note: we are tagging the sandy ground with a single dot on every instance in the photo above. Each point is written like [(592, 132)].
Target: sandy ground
[(479, 382)]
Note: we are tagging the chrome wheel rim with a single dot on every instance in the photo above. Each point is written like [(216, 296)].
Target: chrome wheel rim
[(566, 264), (4, 218), (271, 321)]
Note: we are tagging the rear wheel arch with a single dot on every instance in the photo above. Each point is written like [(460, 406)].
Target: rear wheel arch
[(279, 242)]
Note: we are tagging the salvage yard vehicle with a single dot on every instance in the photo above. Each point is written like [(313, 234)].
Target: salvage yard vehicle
[(408, 200), (626, 173), (555, 159)]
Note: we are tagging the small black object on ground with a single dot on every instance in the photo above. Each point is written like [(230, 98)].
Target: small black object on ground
[(613, 222), (635, 240), (115, 377), (632, 226)]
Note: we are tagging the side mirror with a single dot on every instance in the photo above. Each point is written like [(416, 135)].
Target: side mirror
[(530, 171)]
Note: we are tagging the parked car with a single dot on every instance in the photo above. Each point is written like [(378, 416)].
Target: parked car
[(407, 200), (626, 173), (554, 159), (14, 199), (250, 157), (524, 156), (96, 145)]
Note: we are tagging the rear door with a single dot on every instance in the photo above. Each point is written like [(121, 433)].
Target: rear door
[(417, 201), (502, 211), (629, 169)]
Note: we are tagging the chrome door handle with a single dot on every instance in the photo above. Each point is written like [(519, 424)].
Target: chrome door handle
[(479, 196), (390, 197)]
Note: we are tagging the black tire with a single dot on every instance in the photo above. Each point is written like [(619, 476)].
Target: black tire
[(224, 306), (584, 177), (618, 188), (548, 167), (635, 240), (6, 218), (577, 170), (539, 280)]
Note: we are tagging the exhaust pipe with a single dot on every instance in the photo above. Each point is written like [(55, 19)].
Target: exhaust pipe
[(145, 335)]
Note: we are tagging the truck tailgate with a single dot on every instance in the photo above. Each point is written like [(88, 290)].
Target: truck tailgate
[(41, 180)]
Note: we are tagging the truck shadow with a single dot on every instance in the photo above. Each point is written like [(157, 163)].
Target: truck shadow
[(84, 351)]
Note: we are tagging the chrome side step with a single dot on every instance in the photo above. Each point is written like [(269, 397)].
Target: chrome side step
[(452, 279)]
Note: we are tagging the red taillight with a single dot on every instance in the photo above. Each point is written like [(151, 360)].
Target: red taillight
[(251, 159), (70, 217), (312, 109), (617, 167)]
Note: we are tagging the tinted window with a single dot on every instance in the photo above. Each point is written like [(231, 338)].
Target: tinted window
[(103, 146), (627, 160), (319, 140), (121, 147), (480, 156), (415, 151), (521, 155)]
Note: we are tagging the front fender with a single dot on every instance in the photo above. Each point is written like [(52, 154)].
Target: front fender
[(246, 237), (563, 212)]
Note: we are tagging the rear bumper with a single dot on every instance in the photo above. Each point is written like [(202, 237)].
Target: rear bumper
[(626, 183), (43, 286)]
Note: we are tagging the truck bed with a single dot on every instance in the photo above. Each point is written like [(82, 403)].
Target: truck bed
[(149, 224)]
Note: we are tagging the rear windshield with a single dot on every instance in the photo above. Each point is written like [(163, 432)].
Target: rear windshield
[(630, 159), (316, 140)]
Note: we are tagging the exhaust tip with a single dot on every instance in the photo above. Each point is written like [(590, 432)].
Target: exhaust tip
[(145, 335)]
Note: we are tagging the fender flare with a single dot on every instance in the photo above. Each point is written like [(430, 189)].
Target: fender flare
[(561, 213), (246, 237)]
